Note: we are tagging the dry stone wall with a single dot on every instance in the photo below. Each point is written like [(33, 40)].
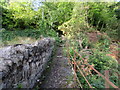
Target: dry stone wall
[(22, 65)]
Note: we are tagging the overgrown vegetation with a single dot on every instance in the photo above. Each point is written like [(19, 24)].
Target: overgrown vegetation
[(26, 36), (90, 26), (98, 54)]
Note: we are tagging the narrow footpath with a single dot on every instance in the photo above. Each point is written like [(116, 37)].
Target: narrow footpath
[(60, 74)]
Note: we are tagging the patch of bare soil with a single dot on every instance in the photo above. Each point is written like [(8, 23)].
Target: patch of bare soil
[(114, 52), (93, 36)]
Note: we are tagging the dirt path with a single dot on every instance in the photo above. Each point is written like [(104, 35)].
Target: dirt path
[(60, 75)]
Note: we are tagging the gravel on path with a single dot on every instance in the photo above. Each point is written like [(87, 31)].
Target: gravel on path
[(60, 74)]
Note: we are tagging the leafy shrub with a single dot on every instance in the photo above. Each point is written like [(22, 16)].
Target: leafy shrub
[(106, 15), (19, 15), (102, 62)]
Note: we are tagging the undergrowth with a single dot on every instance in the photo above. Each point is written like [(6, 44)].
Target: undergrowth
[(96, 54), (25, 36)]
